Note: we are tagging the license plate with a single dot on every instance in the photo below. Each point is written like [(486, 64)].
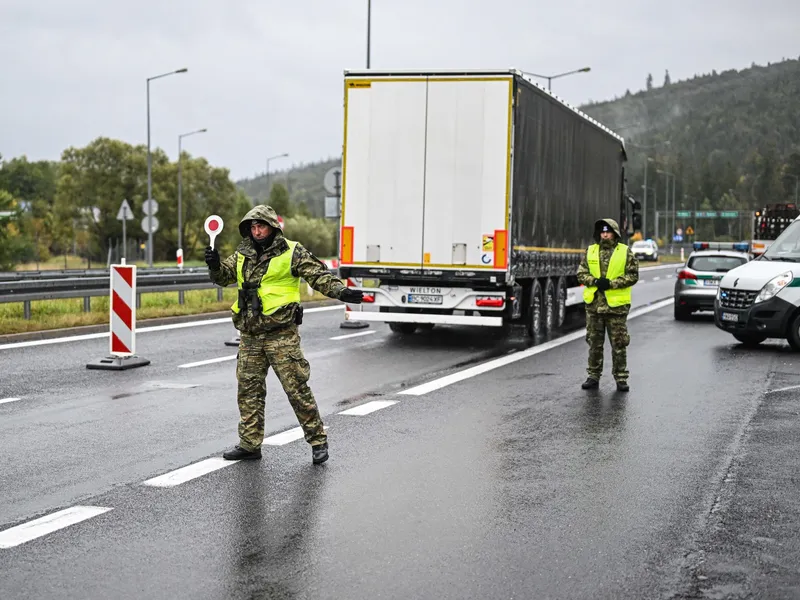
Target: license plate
[(711, 282), (729, 317), (424, 299)]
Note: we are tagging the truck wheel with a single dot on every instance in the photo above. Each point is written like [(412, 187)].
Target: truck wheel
[(561, 302), (793, 336), (549, 306), (534, 317), (751, 340), (404, 328)]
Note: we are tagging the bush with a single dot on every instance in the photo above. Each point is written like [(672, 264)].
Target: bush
[(318, 235)]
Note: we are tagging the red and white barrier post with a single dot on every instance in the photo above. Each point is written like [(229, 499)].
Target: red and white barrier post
[(350, 323), (122, 322)]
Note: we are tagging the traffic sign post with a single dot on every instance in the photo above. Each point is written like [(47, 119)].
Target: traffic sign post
[(150, 208), (124, 214)]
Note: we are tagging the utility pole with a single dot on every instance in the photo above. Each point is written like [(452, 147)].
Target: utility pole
[(369, 29)]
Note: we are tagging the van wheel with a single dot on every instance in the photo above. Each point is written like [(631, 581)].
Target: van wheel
[(793, 337), (751, 340), (404, 328), (534, 317)]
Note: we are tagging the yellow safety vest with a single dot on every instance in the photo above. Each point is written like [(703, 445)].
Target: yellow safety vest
[(616, 268), (278, 286)]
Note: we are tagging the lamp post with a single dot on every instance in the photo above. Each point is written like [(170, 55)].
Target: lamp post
[(271, 158), (150, 167), (551, 77), (644, 187), (180, 191), (369, 28), (667, 174)]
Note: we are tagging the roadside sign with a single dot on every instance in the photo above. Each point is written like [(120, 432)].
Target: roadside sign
[(332, 178), (150, 207), (280, 222), (213, 227), (679, 231), (689, 230), (146, 224), (125, 213)]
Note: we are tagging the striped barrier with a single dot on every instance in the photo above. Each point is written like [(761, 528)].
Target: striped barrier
[(122, 322)]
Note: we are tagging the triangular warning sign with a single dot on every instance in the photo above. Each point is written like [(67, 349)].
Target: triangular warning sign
[(125, 212)]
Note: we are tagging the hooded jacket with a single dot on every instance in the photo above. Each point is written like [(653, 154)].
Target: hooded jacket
[(256, 263), (599, 305)]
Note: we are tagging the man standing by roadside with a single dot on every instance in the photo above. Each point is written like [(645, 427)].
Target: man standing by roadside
[(267, 269), (608, 271)]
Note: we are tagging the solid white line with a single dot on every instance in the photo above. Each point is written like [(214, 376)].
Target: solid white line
[(7, 400), (368, 408), (189, 472), (352, 335), (491, 365), (97, 336), (207, 362), (48, 524)]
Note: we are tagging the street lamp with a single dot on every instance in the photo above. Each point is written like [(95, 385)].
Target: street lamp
[(644, 187), (666, 203), (284, 155), (180, 191), (150, 168), (551, 77)]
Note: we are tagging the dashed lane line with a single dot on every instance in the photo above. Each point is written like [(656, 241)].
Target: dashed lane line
[(210, 361), (353, 335), (189, 472), (367, 408), (9, 400), (48, 524)]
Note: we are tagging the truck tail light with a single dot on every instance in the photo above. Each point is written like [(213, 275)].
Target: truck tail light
[(687, 275), (491, 302)]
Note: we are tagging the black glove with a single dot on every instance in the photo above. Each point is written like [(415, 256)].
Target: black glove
[(603, 284), (212, 258), (352, 296)]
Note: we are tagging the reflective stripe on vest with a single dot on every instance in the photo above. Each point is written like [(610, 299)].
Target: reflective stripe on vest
[(278, 286), (616, 268)]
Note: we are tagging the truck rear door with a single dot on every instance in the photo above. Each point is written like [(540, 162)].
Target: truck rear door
[(426, 179)]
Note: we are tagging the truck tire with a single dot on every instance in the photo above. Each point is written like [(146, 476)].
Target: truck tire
[(534, 318), (549, 307), (403, 328), (750, 340), (561, 302), (793, 335)]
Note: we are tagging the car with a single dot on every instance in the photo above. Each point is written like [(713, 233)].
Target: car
[(645, 250), (698, 280)]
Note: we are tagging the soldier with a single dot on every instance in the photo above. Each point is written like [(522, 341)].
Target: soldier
[(607, 272), (267, 268)]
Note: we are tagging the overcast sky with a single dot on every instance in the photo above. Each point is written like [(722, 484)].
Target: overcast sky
[(265, 76)]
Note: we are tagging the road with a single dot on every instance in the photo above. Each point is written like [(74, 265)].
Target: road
[(483, 471)]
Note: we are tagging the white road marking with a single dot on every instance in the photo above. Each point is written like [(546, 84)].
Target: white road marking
[(97, 336), (290, 435), (368, 408), (189, 472), (48, 524), (491, 365), (656, 278), (207, 362), (352, 335), (786, 389), (7, 400)]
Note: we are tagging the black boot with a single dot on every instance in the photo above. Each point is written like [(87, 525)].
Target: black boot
[(622, 386), (590, 384), (319, 453), (239, 453)]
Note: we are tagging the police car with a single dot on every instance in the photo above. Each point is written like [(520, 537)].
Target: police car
[(698, 280), (761, 299)]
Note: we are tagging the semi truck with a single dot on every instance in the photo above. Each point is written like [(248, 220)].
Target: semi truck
[(769, 223), (470, 197)]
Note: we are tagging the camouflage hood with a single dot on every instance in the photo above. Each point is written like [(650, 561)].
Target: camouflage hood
[(598, 225), (259, 213)]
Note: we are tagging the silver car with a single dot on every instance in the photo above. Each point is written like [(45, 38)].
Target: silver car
[(698, 280), (645, 250)]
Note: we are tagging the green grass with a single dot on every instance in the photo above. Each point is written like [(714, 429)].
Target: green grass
[(57, 314)]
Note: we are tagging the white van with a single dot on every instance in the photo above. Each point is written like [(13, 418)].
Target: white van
[(761, 298)]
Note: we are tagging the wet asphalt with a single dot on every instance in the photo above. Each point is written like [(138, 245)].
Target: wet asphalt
[(511, 484)]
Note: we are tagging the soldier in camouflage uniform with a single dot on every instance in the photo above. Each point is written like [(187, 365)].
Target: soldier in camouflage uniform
[(608, 271), (267, 269)]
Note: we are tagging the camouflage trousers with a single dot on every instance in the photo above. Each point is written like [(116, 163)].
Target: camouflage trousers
[(617, 328), (280, 350)]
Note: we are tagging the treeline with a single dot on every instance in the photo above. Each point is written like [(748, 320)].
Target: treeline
[(70, 207), (731, 140)]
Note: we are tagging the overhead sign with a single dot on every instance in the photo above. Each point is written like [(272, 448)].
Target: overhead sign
[(125, 213), (332, 178), (683, 213)]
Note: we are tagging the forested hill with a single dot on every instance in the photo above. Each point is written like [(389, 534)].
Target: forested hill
[(732, 139)]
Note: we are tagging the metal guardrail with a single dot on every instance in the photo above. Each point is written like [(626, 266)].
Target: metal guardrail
[(95, 283)]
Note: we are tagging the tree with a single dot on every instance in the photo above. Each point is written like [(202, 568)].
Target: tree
[(279, 200), (667, 80), (649, 81), (11, 244)]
